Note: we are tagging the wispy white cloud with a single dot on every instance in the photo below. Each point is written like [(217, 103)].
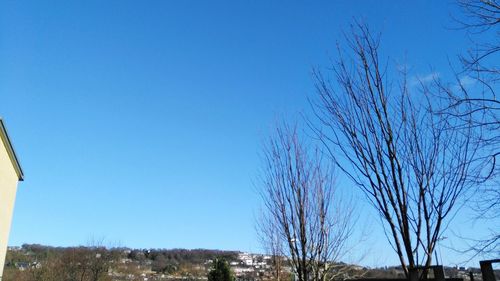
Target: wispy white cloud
[(467, 81), (423, 79)]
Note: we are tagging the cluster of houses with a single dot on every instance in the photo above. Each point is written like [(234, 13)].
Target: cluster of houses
[(251, 265)]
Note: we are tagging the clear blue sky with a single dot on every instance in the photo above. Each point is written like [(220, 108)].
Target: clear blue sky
[(141, 121)]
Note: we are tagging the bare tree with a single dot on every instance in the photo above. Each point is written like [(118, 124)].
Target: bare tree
[(478, 104), (80, 264), (482, 16), (299, 200), (412, 164), (270, 240)]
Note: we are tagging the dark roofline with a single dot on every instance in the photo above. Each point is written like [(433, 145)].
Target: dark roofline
[(10, 150)]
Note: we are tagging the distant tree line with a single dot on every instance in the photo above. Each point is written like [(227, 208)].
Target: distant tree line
[(41, 263), (35, 262)]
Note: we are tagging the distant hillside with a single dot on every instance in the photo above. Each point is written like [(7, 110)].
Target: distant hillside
[(44, 263)]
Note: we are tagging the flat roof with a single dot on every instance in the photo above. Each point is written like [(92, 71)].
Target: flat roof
[(10, 150)]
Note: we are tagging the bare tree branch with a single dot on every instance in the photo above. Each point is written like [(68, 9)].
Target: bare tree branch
[(412, 164), (302, 218)]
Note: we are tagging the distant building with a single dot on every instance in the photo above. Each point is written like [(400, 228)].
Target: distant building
[(10, 174), (246, 259)]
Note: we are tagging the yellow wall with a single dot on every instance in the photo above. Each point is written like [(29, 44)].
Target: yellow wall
[(8, 187)]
